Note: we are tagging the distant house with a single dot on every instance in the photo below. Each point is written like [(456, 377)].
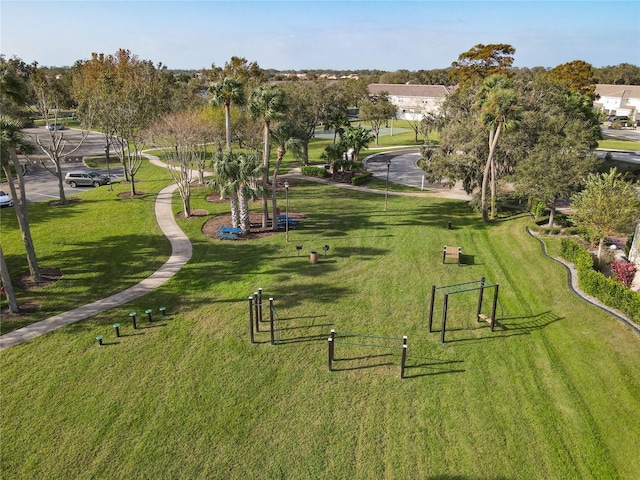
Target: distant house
[(619, 100), (413, 101)]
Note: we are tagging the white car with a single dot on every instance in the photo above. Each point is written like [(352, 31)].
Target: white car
[(55, 126), (5, 200)]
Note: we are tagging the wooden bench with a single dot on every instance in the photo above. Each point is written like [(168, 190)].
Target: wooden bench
[(230, 233), (452, 252)]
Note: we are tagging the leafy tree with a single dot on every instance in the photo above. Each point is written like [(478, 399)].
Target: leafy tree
[(334, 155), (499, 111), (576, 76), (562, 129), (307, 107), (481, 62), (623, 74), (268, 105), (182, 134), (225, 93), (608, 204), (377, 109)]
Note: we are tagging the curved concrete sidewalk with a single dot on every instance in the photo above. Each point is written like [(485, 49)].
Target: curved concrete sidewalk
[(181, 251)]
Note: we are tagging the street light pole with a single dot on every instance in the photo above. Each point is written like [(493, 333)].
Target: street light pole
[(386, 190), (286, 211)]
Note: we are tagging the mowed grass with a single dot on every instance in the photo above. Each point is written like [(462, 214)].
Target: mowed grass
[(554, 393)]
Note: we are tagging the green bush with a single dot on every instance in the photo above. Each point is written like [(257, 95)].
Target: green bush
[(360, 179), (537, 207), (314, 171), (607, 290)]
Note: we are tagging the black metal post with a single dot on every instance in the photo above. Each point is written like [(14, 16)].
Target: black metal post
[(495, 304), (251, 319), (260, 302), (330, 360), (99, 339), (133, 320), (433, 299), (116, 326), (444, 317), (271, 318), (148, 312), (255, 310), (479, 309), (286, 210), (404, 359)]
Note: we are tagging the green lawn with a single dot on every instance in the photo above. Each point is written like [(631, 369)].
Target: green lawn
[(554, 393)]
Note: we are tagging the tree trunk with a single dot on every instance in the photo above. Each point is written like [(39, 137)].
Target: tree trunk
[(493, 141), (243, 207), (305, 153), (227, 118), (274, 198), (494, 183), (20, 208), (600, 250), (7, 284), (61, 194), (265, 175), (235, 210), (552, 214)]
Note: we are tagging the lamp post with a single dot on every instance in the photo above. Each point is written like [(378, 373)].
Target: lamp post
[(386, 189), (106, 156), (286, 210)]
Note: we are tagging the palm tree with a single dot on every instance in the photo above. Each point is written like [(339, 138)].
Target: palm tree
[(224, 93), (285, 136), (11, 139), (226, 171), (249, 173), (7, 285), (357, 139), (267, 104), (498, 109)]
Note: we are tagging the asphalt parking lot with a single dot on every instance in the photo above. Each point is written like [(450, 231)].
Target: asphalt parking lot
[(40, 185)]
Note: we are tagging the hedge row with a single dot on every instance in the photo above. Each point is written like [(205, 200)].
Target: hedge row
[(607, 290), (314, 171), (360, 179)]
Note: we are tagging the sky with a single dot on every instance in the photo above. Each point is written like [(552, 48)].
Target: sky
[(304, 34)]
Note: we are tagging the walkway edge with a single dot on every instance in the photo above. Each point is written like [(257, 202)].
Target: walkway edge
[(181, 251)]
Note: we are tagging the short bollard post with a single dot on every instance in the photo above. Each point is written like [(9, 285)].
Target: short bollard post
[(148, 312), (326, 249), (116, 326), (298, 248), (333, 334), (255, 311), (133, 320), (404, 359), (99, 339), (271, 318), (449, 226), (330, 354), (163, 310), (251, 319)]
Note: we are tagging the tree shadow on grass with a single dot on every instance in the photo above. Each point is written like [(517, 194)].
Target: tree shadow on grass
[(425, 366)]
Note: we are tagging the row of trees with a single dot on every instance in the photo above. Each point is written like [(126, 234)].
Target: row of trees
[(538, 135)]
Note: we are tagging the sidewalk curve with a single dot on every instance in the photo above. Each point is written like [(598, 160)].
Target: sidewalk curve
[(181, 251)]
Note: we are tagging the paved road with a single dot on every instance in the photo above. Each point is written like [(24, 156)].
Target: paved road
[(40, 185)]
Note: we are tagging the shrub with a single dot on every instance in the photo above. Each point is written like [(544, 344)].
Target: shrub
[(624, 272), (607, 290), (537, 207), (360, 179), (314, 171)]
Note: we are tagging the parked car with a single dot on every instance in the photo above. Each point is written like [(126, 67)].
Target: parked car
[(85, 179), (55, 126), (5, 200)]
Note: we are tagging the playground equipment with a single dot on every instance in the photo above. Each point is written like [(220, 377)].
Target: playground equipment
[(480, 285), (255, 318), (336, 339)]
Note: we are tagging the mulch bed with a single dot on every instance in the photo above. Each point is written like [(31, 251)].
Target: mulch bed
[(26, 282), (210, 228)]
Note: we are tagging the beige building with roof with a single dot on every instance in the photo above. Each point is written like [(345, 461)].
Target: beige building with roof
[(618, 100), (413, 101)]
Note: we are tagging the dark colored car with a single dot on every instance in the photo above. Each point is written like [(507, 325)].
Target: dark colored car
[(85, 179)]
